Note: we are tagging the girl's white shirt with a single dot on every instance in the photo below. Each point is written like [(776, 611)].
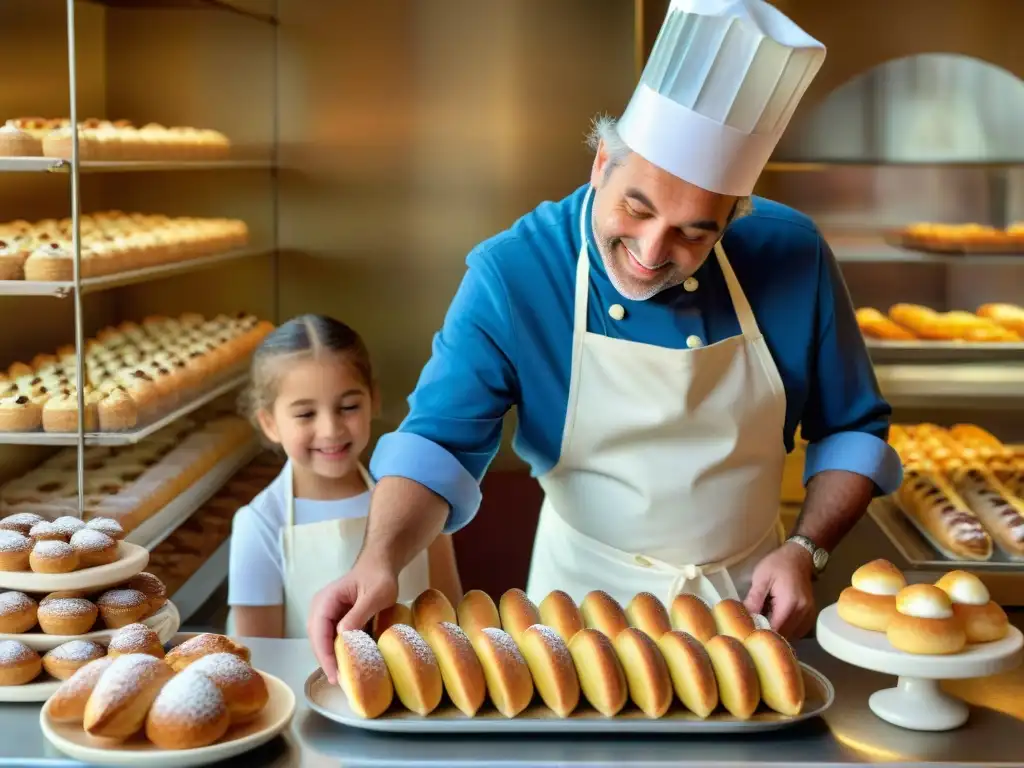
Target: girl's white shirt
[(256, 571)]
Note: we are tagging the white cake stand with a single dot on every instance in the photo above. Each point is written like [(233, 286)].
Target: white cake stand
[(917, 702)]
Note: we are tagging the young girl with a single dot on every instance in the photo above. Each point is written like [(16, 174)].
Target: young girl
[(312, 394)]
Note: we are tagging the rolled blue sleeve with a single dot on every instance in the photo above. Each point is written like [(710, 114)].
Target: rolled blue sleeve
[(845, 419), (453, 429)]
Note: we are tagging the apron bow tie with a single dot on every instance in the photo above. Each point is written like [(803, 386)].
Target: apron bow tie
[(684, 575)]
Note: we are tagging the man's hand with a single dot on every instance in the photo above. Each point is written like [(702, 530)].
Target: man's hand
[(349, 603), (781, 589)]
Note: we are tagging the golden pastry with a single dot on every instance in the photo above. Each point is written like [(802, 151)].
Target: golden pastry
[(53, 557), (600, 611), (552, 668), (67, 705), (509, 683), (602, 681), (924, 622), (188, 712), (117, 707), (93, 548), (461, 672), (17, 613), (414, 669), (870, 603), (66, 659), (136, 638), (19, 664), (15, 551), (21, 522), (559, 612), (66, 616), (476, 611), (693, 676), (983, 618), (646, 613), (243, 688), (149, 585), (362, 674), (431, 607), (203, 645), (121, 607)]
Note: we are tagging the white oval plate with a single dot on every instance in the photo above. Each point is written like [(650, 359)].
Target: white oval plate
[(76, 743), (132, 559), (42, 688), (164, 622), (331, 702)]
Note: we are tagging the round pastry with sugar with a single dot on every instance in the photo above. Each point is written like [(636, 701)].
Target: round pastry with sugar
[(17, 613), (66, 615), (66, 659), (203, 645), (136, 638), (67, 705), (93, 547), (870, 602), (151, 586), (53, 556), (121, 607), (15, 551), (243, 688), (188, 712), (18, 663), (924, 622), (21, 522), (984, 620), (107, 525), (68, 525)]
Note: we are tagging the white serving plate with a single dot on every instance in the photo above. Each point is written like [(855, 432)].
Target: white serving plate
[(164, 622), (917, 702), (42, 688), (132, 559), (138, 753), (331, 702)]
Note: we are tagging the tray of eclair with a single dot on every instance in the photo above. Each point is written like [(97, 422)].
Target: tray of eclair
[(923, 633), (197, 702), (559, 667), (69, 590)]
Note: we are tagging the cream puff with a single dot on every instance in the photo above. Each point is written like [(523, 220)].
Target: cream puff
[(93, 547), (66, 659), (107, 525), (15, 551), (53, 556), (17, 613), (870, 601), (924, 622), (984, 619), (66, 615), (19, 664)]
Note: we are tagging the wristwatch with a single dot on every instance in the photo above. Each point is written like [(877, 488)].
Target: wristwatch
[(819, 556)]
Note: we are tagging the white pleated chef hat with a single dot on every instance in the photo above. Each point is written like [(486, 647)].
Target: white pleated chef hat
[(722, 82)]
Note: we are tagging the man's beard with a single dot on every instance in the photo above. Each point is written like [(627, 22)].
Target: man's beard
[(613, 253)]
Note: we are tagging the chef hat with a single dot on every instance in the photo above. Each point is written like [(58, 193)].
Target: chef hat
[(722, 82)]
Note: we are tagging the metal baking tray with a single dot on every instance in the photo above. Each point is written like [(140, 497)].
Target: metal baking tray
[(888, 352), (329, 701), (918, 547)]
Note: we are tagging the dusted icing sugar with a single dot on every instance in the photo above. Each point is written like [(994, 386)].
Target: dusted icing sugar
[(68, 524), (66, 607), (13, 652), (361, 647), (121, 598), (13, 602), (413, 640), (89, 540), (77, 650), (52, 548), (553, 641), (228, 669), (12, 541), (125, 677), (105, 525), (189, 696), (133, 636), (22, 518), (503, 641)]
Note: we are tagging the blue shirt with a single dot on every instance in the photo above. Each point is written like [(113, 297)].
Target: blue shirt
[(507, 341)]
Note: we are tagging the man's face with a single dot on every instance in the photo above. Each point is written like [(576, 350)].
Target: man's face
[(653, 230)]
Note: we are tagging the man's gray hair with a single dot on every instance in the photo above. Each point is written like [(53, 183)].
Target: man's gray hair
[(603, 129)]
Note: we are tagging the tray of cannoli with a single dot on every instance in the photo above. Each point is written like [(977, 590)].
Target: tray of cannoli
[(960, 500), (560, 667)]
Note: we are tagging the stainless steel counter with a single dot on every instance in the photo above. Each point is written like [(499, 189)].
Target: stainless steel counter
[(848, 734)]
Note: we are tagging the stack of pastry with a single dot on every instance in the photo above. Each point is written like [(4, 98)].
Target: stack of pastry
[(937, 619), (131, 483), (110, 140), (30, 542), (192, 697), (564, 653), (909, 322), (963, 486), (77, 612), (112, 242), (134, 373), (964, 237)]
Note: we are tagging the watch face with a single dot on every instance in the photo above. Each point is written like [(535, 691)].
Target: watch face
[(820, 558)]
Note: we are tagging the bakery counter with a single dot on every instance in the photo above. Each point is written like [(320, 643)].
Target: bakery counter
[(847, 734)]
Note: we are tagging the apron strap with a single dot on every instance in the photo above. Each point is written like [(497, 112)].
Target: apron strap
[(745, 315)]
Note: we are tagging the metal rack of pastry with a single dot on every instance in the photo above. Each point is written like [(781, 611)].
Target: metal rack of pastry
[(961, 502)]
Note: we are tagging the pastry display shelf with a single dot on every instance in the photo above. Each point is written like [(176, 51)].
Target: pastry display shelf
[(161, 525), (954, 386), (122, 166), (63, 289), (31, 164), (201, 585), (222, 5), (129, 437), (876, 252), (898, 352)]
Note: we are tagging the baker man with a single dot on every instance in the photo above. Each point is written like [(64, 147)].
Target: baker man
[(661, 336)]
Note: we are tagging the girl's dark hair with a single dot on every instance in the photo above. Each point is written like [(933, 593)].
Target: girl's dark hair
[(303, 336)]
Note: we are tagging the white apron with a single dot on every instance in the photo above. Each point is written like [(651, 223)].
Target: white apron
[(671, 463), (316, 554)]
